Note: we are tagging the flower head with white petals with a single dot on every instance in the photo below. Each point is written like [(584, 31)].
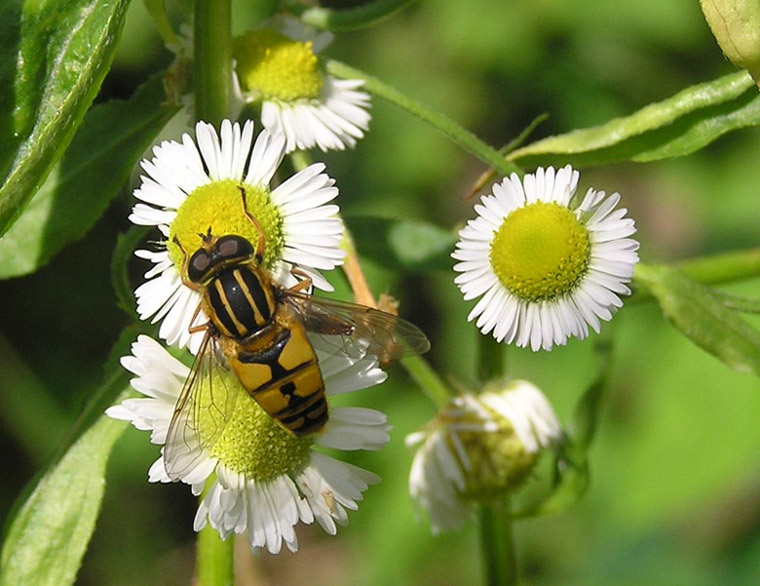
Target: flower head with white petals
[(216, 183), (544, 265), (479, 447), (266, 479), (280, 70)]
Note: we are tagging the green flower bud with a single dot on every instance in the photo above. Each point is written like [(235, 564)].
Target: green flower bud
[(480, 447), (736, 26)]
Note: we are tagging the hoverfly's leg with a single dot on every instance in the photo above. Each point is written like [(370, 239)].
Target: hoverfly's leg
[(191, 329), (255, 222), (183, 272), (305, 283)]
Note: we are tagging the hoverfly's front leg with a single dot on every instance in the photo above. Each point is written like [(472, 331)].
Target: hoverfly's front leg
[(194, 286), (183, 272), (256, 224)]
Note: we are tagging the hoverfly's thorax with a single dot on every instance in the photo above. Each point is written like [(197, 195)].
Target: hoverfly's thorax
[(240, 301)]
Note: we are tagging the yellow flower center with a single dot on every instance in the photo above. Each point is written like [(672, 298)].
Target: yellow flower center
[(254, 445), (218, 206), (276, 67), (541, 251)]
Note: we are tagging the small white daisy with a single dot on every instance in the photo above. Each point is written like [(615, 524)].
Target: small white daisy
[(267, 480), (477, 448), (281, 72), (545, 268), (196, 185)]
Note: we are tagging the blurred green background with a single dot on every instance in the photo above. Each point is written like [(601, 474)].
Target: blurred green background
[(675, 491)]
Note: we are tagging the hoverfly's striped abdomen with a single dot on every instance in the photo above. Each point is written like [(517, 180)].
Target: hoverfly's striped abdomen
[(239, 304), (285, 379)]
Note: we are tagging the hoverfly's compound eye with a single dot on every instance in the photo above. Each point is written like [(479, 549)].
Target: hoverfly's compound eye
[(234, 247), (198, 265)]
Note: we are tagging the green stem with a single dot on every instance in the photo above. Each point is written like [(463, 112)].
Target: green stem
[(461, 136), (212, 62), (214, 561), (157, 11), (428, 380), (497, 543), (300, 160), (349, 18), (492, 359), (21, 388), (712, 270)]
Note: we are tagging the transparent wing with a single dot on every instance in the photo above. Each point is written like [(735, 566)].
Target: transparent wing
[(204, 407), (357, 330)]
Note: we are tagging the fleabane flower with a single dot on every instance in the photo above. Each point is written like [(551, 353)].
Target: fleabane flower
[(216, 183), (545, 265), (259, 479), (479, 447), (298, 99)]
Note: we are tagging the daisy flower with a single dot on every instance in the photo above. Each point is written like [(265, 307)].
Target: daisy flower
[(281, 72), (259, 479), (544, 265), (213, 183), (478, 447)]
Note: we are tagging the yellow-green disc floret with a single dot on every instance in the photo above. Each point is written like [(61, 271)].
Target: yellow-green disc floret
[(252, 443), (540, 252), (218, 206), (276, 67)]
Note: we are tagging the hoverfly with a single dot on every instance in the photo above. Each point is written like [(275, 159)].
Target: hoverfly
[(258, 330)]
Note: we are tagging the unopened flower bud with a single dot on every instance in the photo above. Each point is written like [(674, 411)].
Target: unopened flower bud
[(480, 447), (736, 26)]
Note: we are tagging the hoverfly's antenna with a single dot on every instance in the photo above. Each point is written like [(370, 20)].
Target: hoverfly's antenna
[(207, 236), (255, 222)]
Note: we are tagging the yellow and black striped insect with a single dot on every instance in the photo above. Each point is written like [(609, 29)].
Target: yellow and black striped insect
[(258, 330)]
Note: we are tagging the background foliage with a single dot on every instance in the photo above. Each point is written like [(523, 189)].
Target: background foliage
[(675, 488)]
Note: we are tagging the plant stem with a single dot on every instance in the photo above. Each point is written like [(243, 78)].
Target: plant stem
[(212, 63), (461, 136), (428, 380), (157, 10), (214, 562), (22, 388), (348, 19), (715, 269), (492, 359), (497, 543)]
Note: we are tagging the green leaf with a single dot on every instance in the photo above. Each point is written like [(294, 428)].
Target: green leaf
[(738, 302), (702, 317), (411, 245), (680, 125), (49, 534), (53, 57), (125, 247), (98, 163)]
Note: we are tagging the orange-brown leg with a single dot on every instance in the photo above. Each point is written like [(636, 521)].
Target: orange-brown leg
[(254, 221), (306, 283), (199, 328), (183, 272)]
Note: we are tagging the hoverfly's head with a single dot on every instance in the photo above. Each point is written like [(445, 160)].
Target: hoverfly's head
[(217, 253)]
